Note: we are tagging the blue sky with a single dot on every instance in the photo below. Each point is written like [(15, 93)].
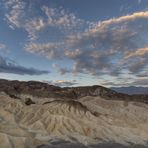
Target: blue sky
[(75, 42)]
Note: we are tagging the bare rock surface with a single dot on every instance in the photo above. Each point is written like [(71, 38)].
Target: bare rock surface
[(90, 120)]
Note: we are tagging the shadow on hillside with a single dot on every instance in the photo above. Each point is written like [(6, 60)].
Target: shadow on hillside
[(66, 144)]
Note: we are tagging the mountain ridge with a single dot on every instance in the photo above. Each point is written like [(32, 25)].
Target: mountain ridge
[(43, 90)]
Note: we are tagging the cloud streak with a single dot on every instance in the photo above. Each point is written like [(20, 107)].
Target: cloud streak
[(8, 66), (62, 83), (138, 52), (135, 82)]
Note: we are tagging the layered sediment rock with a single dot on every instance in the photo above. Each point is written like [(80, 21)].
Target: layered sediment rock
[(90, 119)]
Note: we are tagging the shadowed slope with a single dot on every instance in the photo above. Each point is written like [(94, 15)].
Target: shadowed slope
[(17, 90)]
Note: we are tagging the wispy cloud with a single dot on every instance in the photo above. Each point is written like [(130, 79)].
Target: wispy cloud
[(135, 82), (140, 82), (62, 83), (113, 47), (61, 18), (3, 49), (2, 46), (139, 1), (138, 52), (61, 70), (19, 15), (15, 15), (9, 66), (49, 50), (103, 48), (144, 75)]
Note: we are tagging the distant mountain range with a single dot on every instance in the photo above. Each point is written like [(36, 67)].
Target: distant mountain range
[(131, 90)]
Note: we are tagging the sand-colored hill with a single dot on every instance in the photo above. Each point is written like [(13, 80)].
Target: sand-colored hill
[(88, 120)]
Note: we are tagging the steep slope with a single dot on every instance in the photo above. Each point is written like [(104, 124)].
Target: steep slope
[(34, 113), (89, 120)]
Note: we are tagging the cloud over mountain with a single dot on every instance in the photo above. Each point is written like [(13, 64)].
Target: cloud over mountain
[(63, 83)]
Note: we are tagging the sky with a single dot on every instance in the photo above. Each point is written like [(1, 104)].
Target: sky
[(75, 42)]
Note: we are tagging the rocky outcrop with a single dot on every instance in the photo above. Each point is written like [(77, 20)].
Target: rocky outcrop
[(86, 121), (38, 89)]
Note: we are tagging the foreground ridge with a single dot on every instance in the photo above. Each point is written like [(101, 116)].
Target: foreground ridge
[(38, 115)]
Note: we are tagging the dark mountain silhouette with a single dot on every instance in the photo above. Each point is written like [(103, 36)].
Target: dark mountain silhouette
[(131, 90), (44, 90)]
